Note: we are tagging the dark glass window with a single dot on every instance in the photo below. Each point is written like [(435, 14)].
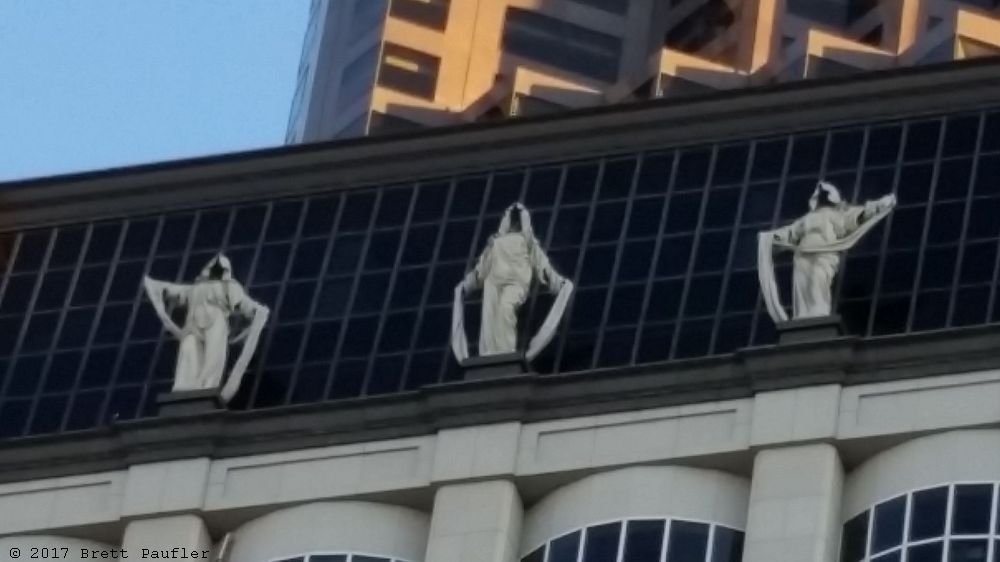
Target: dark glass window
[(768, 159), (730, 165), (727, 545), (538, 555), (69, 243), (580, 183), (855, 538), (888, 525), (967, 550), (31, 251), (655, 174), (883, 145), (960, 135), (807, 154), (922, 140), (688, 542), (601, 542), (565, 549), (845, 150), (174, 235), (557, 42), (627, 228), (971, 509), (643, 541), (927, 513)]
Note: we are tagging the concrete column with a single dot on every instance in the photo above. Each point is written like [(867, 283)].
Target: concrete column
[(476, 522), (177, 537), (795, 505)]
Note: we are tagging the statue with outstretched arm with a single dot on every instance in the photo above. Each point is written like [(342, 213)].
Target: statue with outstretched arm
[(817, 240), (210, 303)]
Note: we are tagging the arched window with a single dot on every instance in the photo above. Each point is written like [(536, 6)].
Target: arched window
[(955, 522), (644, 540)]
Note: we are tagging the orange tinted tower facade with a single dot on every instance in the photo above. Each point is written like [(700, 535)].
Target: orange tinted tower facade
[(382, 66)]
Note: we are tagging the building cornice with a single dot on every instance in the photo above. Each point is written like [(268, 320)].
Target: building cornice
[(526, 398), (776, 109)]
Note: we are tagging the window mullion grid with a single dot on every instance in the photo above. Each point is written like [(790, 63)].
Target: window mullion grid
[(546, 239), (113, 378), (838, 281), (393, 275), (9, 270), (870, 532), (321, 277), (63, 311), (776, 213), (915, 287), (428, 281), (575, 274), (137, 303), (884, 247), (996, 264), (620, 250), (666, 540), (258, 247), (709, 550), (734, 234), (282, 288), (85, 350), (15, 353), (159, 346), (470, 258), (991, 551), (528, 308), (963, 234), (355, 282), (908, 508), (946, 540), (657, 246), (689, 273), (624, 527), (22, 333)]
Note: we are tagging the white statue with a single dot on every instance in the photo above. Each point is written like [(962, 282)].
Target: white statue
[(512, 259), (817, 239), (212, 303)]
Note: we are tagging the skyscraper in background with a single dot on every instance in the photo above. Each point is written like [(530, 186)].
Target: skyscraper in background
[(378, 66)]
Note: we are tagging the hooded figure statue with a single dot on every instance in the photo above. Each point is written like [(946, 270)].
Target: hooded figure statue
[(512, 259), (210, 302), (817, 239)]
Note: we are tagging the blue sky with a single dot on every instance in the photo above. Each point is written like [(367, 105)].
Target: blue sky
[(95, 84)]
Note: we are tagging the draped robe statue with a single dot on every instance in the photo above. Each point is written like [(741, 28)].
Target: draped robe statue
[(817, 239), (511, 261), (212, 303)]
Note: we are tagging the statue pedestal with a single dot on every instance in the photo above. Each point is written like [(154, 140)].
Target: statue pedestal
[(189, 402), (494, 366), (809, 329)]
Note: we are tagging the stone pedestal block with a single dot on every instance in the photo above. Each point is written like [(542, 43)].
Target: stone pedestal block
[(494, 366), (189, 402), (810, 329)]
